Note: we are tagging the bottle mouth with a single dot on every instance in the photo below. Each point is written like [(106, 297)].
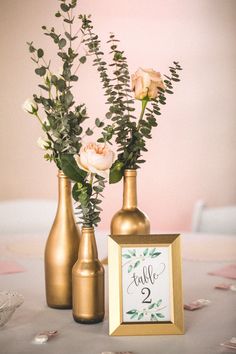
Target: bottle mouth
[(130, 173), (88, 229), (61, 174)]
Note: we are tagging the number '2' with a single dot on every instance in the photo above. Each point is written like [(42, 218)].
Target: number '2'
[(146, 292)]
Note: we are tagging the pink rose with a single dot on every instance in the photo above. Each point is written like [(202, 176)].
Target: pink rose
[(95, 158), (145, 83)]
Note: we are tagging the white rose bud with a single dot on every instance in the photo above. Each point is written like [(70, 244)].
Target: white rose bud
[(145, 83), (30, 106), (42, 143), (47, 77), (95, 158)]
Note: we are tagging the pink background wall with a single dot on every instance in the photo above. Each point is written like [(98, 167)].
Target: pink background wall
[(192, 153)]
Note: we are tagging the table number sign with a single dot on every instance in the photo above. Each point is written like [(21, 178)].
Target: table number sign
[(145, 287), (146, 284)]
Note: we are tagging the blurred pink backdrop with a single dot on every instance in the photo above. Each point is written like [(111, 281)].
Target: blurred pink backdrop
[(192, 153)]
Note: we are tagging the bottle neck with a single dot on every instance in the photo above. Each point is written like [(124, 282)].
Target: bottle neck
[(64, 193), (88, 248), (130, 190)]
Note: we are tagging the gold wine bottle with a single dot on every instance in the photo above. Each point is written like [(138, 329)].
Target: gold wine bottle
[(61, 249), (130, 220), (88, 281)]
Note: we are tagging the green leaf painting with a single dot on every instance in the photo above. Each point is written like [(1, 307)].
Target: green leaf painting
[(134, 257), (150, 314)]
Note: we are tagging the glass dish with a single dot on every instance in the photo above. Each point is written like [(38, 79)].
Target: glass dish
[(9, 301)]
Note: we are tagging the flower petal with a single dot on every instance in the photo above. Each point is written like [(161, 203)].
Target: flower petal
[(77, 159)]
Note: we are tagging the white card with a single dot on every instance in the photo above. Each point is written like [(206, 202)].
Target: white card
[(146, 284)]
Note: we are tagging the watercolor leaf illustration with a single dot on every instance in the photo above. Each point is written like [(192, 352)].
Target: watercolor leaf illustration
[(134, 258), (152, 312)]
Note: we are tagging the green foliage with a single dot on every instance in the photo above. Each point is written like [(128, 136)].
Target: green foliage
[(64, 118), (89, 197), (129, 132), (87, 191), (64, 121)]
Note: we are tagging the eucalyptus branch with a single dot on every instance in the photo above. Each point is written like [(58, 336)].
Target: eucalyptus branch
[(130, 153), (63, 116)]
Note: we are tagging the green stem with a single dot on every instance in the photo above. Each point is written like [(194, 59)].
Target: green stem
[(144, 104), (39, 119), (91, 178)]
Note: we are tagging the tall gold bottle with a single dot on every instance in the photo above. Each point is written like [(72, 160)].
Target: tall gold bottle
[(130, 220), (88, 281), (61, 249)]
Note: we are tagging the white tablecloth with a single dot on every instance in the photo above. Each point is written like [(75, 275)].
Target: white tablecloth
[(205, 328)]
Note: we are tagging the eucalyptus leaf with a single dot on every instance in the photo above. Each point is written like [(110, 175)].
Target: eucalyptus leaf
[(62, 43), (44, 87), (40, 53), (134, 316), (64, 7), (151, 306), (132, 252), (71, 169), (74, 78), (98, 123), (75, 192), (131, 312), (83, 59), (126, 256), (141, 316), (136, 264), (160, 315), (116, 172), (61, 85), (68, 98), (40, 71), (89, 132), (156, 254)]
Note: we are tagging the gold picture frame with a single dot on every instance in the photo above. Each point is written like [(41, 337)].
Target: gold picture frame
[(147, 268)]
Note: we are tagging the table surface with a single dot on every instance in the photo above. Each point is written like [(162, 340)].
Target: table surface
[(205, 329)]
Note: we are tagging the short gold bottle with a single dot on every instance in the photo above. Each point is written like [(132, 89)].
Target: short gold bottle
[(61, 249), (130, 220), (88, 281)]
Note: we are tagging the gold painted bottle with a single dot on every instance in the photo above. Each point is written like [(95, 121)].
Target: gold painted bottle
[(88, 281), (61, 249), (130, 220)]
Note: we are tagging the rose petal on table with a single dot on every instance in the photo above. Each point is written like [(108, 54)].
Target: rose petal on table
[(44, 336), (229, 345), (222, 286), (40, 339), (226, 272), (8, 267), (50, 333), (232, 287), (197, 304), (203, 302), (192, 306)]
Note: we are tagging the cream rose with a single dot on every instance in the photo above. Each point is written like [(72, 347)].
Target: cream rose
[(95, 158), (30, 106), (145, 83)]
